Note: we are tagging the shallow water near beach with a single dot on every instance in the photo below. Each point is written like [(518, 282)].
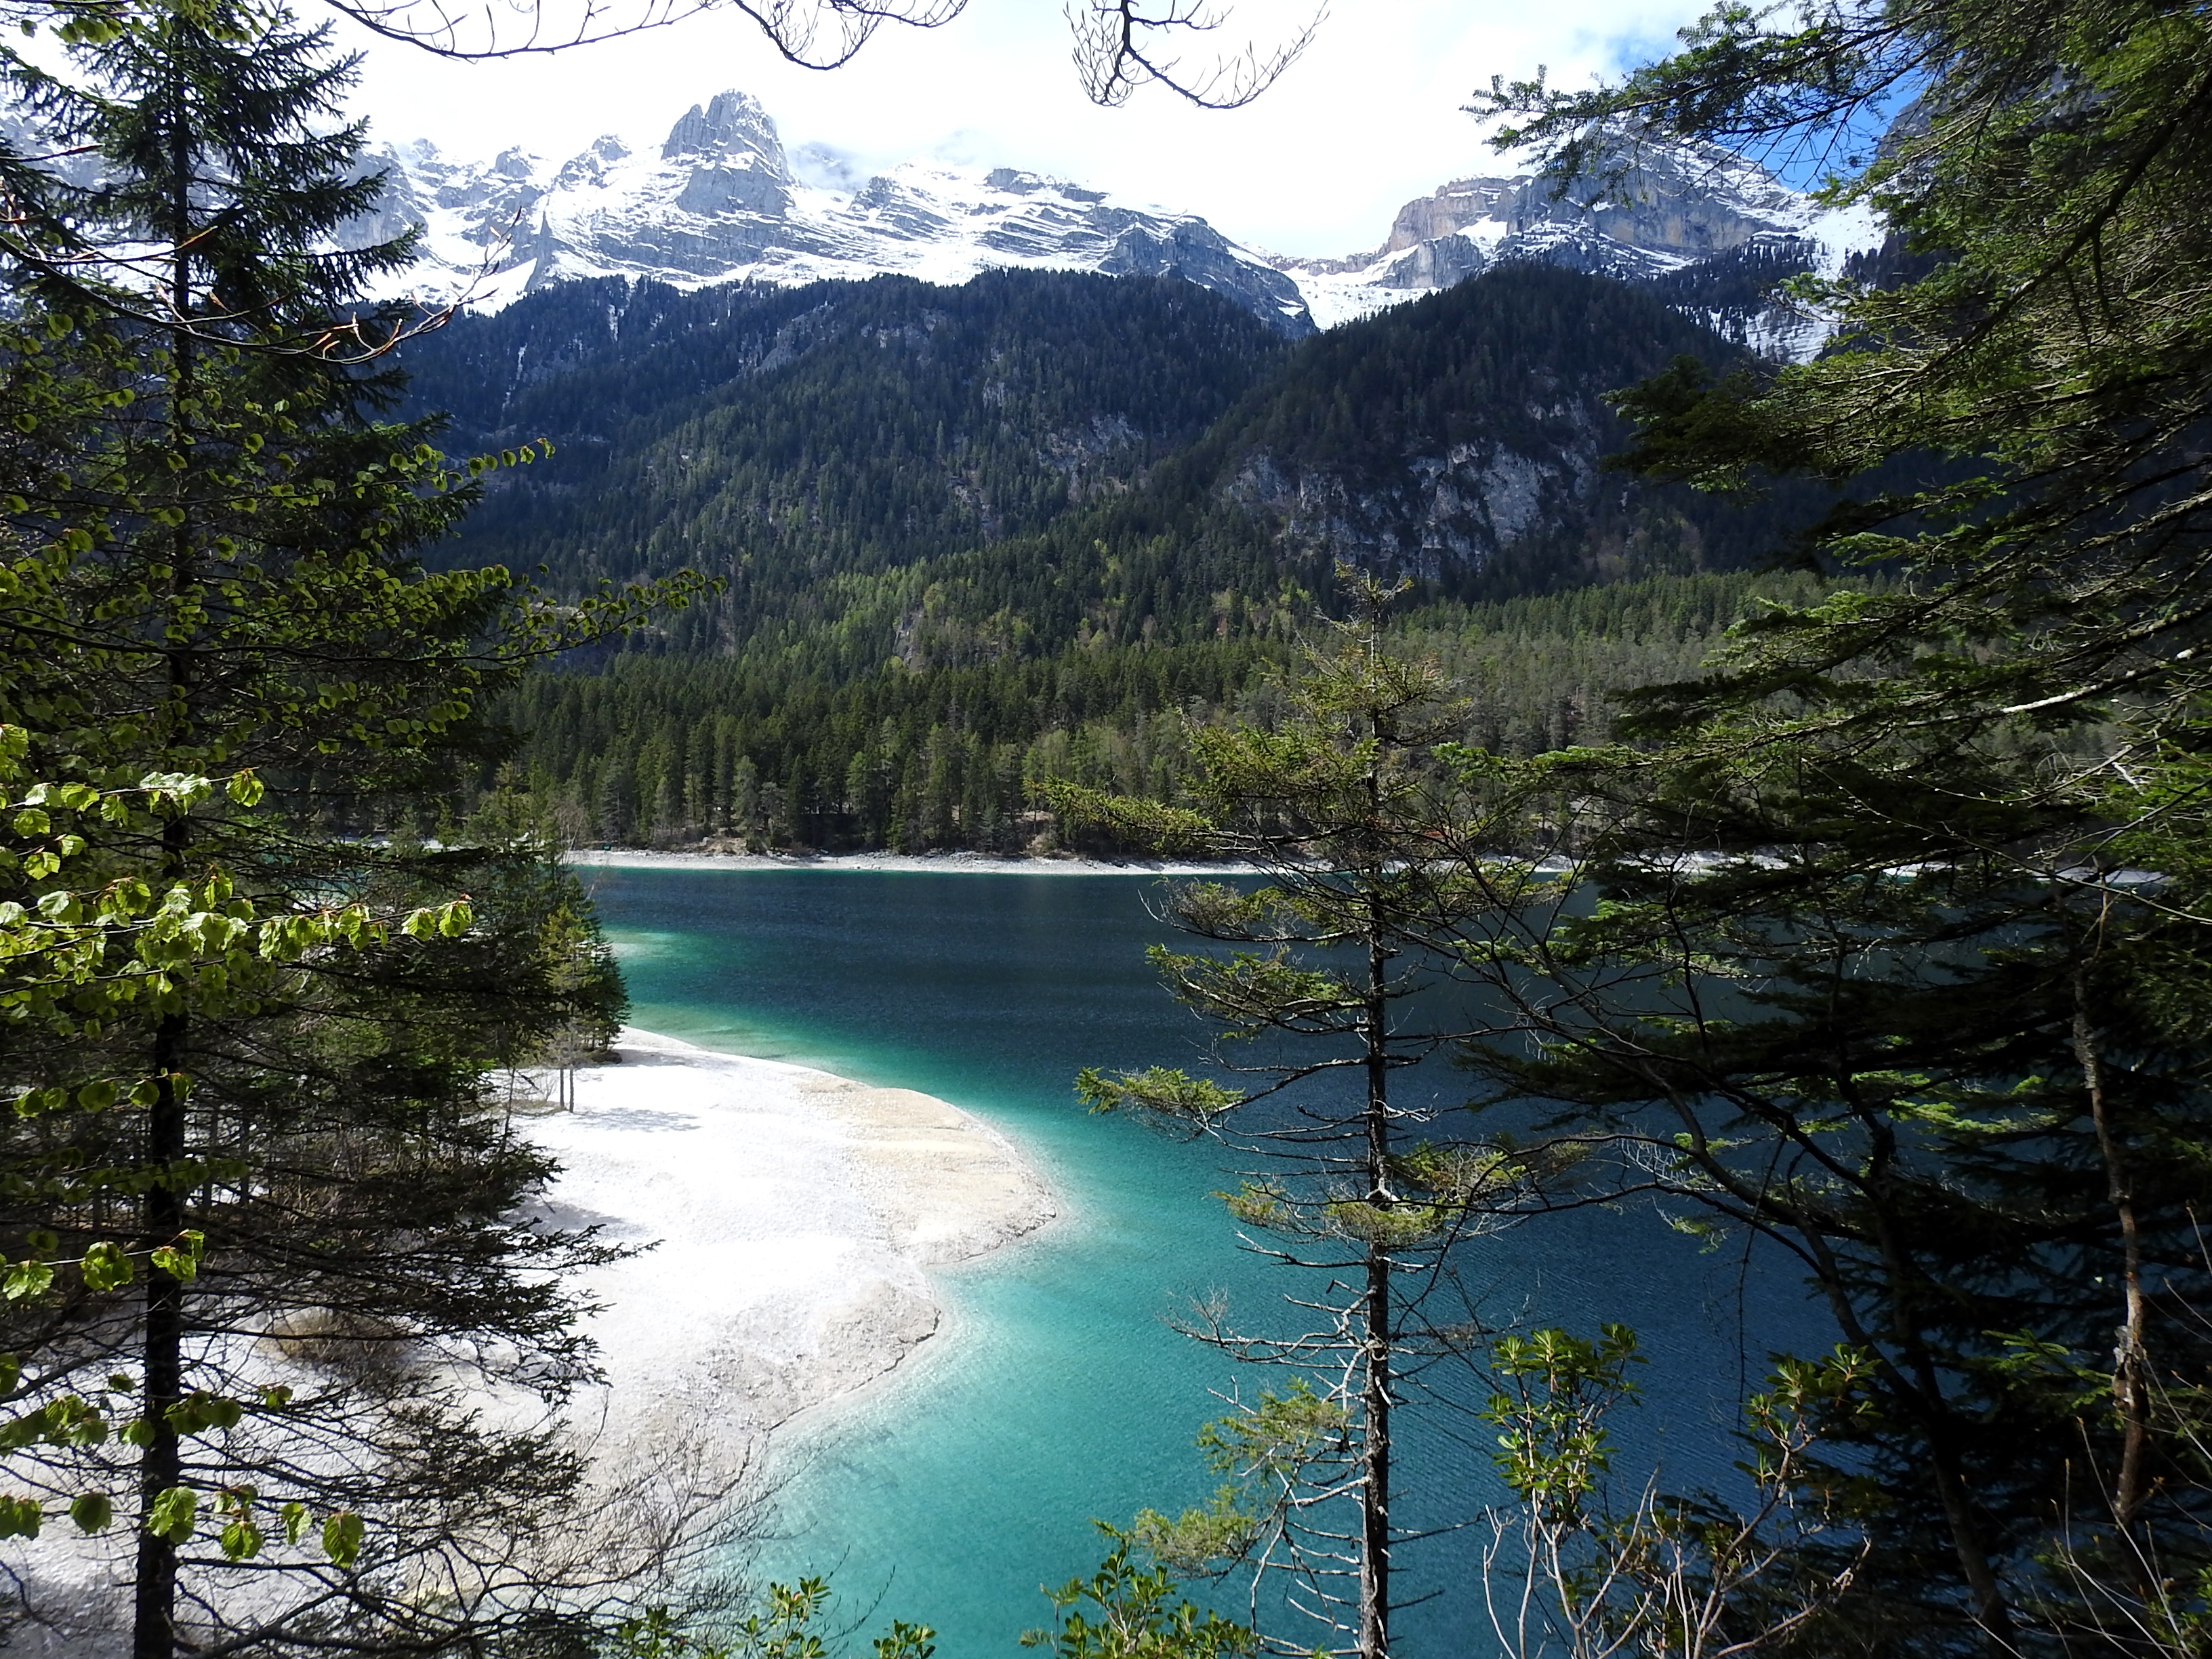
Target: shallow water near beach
[(948, 1494)]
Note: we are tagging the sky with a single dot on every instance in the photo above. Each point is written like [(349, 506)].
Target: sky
[(1369, 117)]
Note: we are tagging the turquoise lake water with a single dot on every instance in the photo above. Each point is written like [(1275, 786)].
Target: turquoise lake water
[(1058, 1391)]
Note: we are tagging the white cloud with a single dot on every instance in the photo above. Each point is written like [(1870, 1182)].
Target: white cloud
[(1369, 118)]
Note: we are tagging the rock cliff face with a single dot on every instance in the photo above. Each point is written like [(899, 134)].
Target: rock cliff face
[(1450, 513), (1707, 230), (719, 202)]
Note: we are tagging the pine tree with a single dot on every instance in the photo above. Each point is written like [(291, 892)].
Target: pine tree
[(1339, 805)]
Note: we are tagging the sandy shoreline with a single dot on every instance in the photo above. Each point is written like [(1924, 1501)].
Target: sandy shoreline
[(789, 1219), (785, 1222), (619, 858)]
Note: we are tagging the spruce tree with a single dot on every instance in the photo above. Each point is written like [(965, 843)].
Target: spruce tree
[(1899, 963), (300, 1254)]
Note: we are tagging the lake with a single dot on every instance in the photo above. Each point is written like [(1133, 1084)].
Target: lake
[(1058, 1391)]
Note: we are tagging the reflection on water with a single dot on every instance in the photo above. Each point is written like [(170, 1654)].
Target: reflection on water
[(1059, 1392)]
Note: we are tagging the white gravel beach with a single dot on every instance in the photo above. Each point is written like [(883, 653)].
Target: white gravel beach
[(785, 1224), (789, 1220)]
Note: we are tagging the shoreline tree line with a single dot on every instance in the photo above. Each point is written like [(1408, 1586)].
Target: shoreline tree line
[(755, 752)]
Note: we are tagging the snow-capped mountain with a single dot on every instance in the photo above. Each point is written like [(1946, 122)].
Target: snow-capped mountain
[(1708, 228), (719, 202)]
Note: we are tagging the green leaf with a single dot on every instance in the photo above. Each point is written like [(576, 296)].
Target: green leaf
[(906, 1642), (20, 1517), (201, 1410), (28, 1280), (342, 1536), (105, 1268), (181, 1260), (92, 1511), (174, 1513)]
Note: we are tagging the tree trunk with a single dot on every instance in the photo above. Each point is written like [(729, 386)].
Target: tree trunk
[(1375, 1483), (160, 1464), (1375, 1398), (154, 1634), (2132, 1353)]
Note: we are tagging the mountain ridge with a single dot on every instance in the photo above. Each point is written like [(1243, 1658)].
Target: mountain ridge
[(719, 201)]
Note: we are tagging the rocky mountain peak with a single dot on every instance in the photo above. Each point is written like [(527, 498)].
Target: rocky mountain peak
[(1710, 229), (1671, 197), (732, 128), (1017, 182), (719, 202)]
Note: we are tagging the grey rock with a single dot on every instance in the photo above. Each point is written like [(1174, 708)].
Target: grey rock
[(720, 202), (1710, 228)]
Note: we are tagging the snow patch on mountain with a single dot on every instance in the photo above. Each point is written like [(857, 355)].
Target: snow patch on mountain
[(718, 201), (1696, 220)]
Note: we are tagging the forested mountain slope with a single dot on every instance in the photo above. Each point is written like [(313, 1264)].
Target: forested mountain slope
[(1458, 440), (780, 435), (971, 536), (1085, 453)]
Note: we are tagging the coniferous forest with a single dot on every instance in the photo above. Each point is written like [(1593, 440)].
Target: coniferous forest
[(1777, 791), (970, 540)]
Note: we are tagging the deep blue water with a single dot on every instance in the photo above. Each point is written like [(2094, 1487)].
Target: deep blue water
[(1058, 1393)]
